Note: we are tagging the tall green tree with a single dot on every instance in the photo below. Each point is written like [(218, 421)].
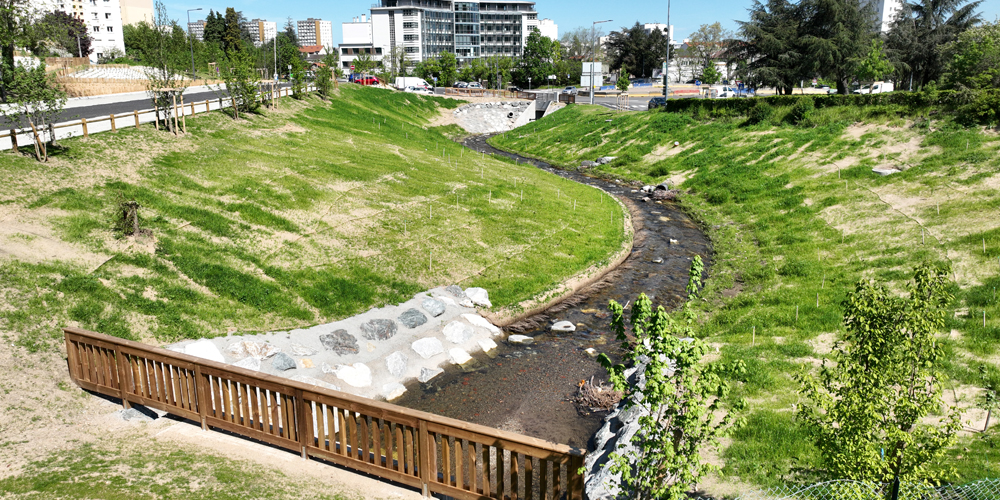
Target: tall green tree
[(918, 36), (867, 412), (232, 35), (449, 72), (974, 58), (707, 44), (540, 52), (837, 36), (15, 26), (67, 32), (215, 28), (769, 49), (875, 64), (637, 50)]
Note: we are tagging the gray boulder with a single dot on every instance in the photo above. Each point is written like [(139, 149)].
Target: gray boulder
[(411, 318), (588, 164), (379, 329), (456, 291), (282, 362), (605, 159), (433, 307), (340, 342)]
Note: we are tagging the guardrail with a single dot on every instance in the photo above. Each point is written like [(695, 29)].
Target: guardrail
[(434, 453), (488, 93), (14, 138)]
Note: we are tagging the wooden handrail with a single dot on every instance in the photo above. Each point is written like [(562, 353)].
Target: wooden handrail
[(435, 453)]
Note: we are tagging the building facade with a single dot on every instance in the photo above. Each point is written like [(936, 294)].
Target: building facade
[(197, 29), (103, 19), (424, 29), (886, 11), (548, 28), (315, 32), (137, 11), (261, 31)]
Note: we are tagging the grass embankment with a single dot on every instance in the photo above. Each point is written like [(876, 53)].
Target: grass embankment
[(297, 216), (797, 217)]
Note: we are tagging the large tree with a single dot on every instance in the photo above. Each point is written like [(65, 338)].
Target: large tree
[(837, 35), (215, 28), (918, 36), (232, 35), (15, 27), (768, 51), (67, 32), (540, 53), (974, 59), (872, 413), (637, 52)]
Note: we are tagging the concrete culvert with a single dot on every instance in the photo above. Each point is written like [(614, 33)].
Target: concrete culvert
[(510, 115)]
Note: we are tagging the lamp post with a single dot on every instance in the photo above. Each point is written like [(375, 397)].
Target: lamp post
[(666, 74), (191, 39), (593, 53)]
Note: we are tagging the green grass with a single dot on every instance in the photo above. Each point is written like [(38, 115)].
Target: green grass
[(125, 471), (295, 217), (794, 232)]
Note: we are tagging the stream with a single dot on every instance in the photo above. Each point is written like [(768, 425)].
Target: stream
[(527, 388)]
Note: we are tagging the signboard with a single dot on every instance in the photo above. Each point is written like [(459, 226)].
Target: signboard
[(598, 70), (352, 66)]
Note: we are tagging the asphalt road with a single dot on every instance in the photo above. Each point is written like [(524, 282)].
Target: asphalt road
[(124, 103)]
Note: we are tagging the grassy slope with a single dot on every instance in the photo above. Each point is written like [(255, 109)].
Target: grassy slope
[(794, 232), (297, 217)]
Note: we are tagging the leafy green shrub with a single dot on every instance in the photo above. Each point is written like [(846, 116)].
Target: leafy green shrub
[(800, 111), (760, 113)]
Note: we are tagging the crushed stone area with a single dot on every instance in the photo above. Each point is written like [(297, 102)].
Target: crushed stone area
[(372, 355)]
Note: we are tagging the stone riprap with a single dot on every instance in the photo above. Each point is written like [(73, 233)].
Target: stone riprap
[(494, 117), (371, 355)]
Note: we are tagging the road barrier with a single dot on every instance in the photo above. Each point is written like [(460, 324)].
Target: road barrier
[(434, 453)]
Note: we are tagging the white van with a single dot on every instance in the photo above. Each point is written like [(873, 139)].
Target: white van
[(876, 88), (411, 81), (723, 92)]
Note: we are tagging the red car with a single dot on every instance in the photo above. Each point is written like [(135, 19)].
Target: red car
[(366, 80)]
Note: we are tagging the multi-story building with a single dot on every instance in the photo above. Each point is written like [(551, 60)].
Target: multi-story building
[(197, 29), (886, 11), (137, 11), (103, 19), (315, 32), (424, 29), (261, 31), (358, 40), (548, 28)]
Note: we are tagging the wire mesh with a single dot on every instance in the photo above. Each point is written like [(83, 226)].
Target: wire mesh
[(985, 489)]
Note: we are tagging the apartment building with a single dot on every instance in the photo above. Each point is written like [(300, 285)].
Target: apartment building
[(137, 11), (103, 19), (197, 29), (886, 11), (315, 32), (261, 31), (424, 29)]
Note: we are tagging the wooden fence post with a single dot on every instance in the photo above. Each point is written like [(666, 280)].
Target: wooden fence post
[(135, 113), (174, 96), (202, 397), (304, 430), (83, 122), (13, 138), (424, 460), (574, 477), (113, 129), (120, 365), (236, 112), (183, 116)]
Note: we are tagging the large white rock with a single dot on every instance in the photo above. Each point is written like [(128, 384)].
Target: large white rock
[(459, 356), (250, 363), (563, 326), (447, 300), (479, 296), (356, 375), (204, 349), (477, 320), (393, 390), (396, 363), (487, 345), (457, 332), (428, 347), (520, 339), (428, 373), (259, 350)]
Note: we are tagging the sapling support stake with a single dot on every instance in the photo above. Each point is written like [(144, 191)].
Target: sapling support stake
[(817, 300), (796, 314), (753, 338)]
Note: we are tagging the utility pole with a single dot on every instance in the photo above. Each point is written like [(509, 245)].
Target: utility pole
[(190, 39), (666, 74), (593, 54)]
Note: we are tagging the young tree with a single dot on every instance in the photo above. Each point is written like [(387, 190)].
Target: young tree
[(536, 63), (708, 43), (622, 82), (679, 397), (429, 70), (448, 65), (364, 64), (242, 82), (232, 34), (215, 28), (875, 64), (974, 58), (35, 100), (298, 78), (710, 75), (164, 67), (867, 412)]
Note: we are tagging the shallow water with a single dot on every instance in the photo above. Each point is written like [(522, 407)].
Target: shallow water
[(525, 389)]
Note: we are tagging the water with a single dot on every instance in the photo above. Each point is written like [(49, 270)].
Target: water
[(526, 389)]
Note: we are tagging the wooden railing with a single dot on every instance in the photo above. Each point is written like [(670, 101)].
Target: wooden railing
[(488, 93), (436, 454)]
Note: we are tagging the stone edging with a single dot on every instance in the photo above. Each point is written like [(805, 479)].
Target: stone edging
[(570, 286)]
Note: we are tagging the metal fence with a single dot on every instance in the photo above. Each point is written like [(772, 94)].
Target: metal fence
[(986, 489)]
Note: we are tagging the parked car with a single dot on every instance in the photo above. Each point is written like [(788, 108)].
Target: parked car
[(461, 85), (514, 88), (657, 102), (474, 85), (876, 88), (570, 91), (418, 90), (366, 80), (403, 82), (724, 92)]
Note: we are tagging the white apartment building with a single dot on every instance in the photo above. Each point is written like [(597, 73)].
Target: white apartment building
[(197, 29), (548, 28), (103, 19), (424, 29), (886, 11), (136, 11), (314, 32), (261, 31)]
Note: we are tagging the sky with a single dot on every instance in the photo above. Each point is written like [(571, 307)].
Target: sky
[(568, 14)]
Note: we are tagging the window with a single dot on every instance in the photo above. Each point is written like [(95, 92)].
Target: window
[(107, 15), (345, 51), (409, 25), (411, 38), (378, 50), (95, 15), (412, 50), (111, 28), (97, 28), (100, 55)]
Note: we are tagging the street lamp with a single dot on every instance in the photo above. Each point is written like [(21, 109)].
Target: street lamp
[(529, 84), (191, 39), (666, 73), (593, 45)]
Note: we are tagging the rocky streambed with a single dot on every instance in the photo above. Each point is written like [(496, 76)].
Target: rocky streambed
[(527, 387)]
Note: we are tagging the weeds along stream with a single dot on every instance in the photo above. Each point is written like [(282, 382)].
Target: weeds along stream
[(527, 388)]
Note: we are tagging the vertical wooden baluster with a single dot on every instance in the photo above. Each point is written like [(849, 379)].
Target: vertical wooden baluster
[(529, 478), (137, 384), (472, 467), (343, 431), (293, 431), (304, 422), (275, 412), (376, 432), (203, 396), (363, 449), (86, 362), (543, 479), (400, 459), (387, 442), (446, 459), (514, 473), (487, 469), (557, 479), (255, 404), (227, 401), (501, 474), (145, 391), (72, 358), (574, 478), (408, 441), (459, 459)]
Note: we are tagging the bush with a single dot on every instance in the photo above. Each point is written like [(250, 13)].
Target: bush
[(801, 110), (760, 113)]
